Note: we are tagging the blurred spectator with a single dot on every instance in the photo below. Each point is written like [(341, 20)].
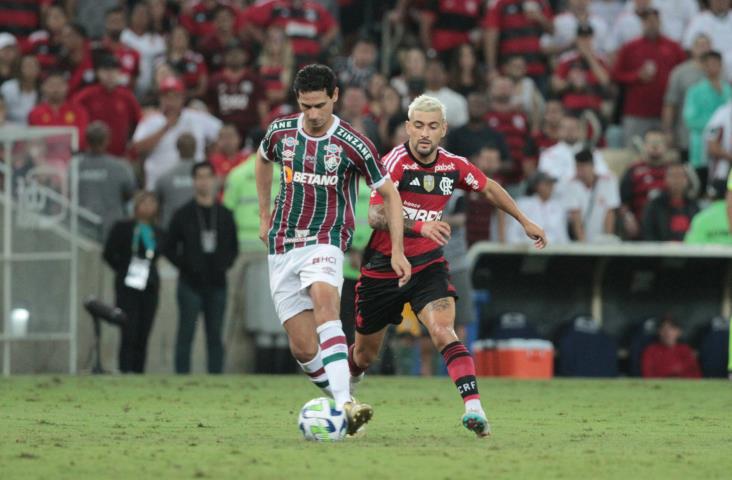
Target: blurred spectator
[(548, 133), (515, 27), (607, 10), (132, 250), (456, 253), (188, 65), (21, 93), (719, 142), (106, 183), (716, 22), (353, 103), (200, 18), (667, 358), (174, 188), (482, 223), (276, 66), (388, 107), (227, 154), (446, 24), (503, 117), (236, 94), (567, 25), (150, 45), (466, 74), (469, 139), (591, 201), (668, 216), (129, 59), (163, 15), (55, 110), (682, 78), (310, 27), (711, 225), (526, 97), (582, 78), (91, 14), (729, 203), (213, 44), (111, 103), (411, 81), (436, 86), (643, 67), (9, 54), (558, 161), (702, 100), (75, 57), (542, 205), (202, 244), (46, 43), (156, 135), (642, 179), (674, 15), (360, 66), (21, 18)]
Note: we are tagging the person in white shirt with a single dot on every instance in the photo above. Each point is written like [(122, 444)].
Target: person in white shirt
[(558, 161), (550, 213), (457, 106), (565, 28), (718, 134), (156, 135), (717, 24), (591, 201), (148, 44)]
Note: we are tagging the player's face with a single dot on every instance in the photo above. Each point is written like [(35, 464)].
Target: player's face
[(317, 108), (426, 130)]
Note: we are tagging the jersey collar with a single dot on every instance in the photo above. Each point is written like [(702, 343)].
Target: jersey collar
[(414, 159), (331, 130)]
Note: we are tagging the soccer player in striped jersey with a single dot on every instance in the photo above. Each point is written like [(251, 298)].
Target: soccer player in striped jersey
[(426, 175), (312, 224)]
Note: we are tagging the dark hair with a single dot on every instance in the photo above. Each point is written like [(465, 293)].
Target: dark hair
[(78, 29), (584, 156), (201, 165), (314, 78), (711, 54), (54, 72), (114, 10)]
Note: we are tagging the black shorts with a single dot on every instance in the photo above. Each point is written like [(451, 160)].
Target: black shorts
[(380, 301)]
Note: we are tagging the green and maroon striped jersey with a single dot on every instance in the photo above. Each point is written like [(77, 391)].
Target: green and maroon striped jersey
[(318, 182)]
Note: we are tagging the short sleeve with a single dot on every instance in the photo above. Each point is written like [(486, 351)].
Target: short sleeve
[(394, 171), (148, 126), (715, 126), (613, 198), (267, 145), (366, 160), (471, 178)]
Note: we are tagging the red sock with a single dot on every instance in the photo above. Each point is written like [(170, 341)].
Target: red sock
[(355, 369), (461, 368)]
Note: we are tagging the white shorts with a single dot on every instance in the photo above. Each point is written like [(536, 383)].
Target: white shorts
[(292, 273)]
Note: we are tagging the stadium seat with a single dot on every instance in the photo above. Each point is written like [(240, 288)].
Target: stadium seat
[(586, 351), (642, 334), (714, 348), (511, 325)]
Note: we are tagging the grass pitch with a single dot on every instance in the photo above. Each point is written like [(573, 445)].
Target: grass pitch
[(244, 427)]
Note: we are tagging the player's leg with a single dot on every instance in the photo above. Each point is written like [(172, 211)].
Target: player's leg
[(363, 353), (305, 348)]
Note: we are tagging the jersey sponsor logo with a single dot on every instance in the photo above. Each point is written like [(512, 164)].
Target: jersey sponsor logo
[(446, 167), (303, 239), (314, 179), (421, 214), (355, 142), (410, 166), (288, 174), (472, 181), (301, 233), (317, 260), (415, 182), (288, 154), (446, 185), (428, 183)]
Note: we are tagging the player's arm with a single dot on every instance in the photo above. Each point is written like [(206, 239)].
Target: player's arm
[(501, 199), (263, 175), (437, 231), (392, 210)]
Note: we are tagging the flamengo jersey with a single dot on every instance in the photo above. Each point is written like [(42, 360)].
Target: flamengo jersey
[(425, 190), (318, 182)]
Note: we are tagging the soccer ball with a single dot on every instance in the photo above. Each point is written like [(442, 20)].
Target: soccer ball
[(321, 421)]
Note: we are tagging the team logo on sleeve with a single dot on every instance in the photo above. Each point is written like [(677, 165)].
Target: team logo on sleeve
[(332, 157), (428, 182)]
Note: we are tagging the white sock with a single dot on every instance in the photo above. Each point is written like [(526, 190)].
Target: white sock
[(473, 406), (316, 373), (334, 355)]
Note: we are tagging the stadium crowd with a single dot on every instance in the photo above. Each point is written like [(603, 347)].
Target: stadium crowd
[(608, 120)]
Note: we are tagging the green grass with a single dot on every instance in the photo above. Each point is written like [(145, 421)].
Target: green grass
[(244, 427)]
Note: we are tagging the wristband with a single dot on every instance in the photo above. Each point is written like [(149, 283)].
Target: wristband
[(417, 228)]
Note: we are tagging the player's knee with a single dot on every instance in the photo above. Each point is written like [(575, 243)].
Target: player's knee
[(303, 351), (326, 312), (442, 336)]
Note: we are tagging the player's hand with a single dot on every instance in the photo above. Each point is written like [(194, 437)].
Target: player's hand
[(437, 231), (401, 267), (536, 233)]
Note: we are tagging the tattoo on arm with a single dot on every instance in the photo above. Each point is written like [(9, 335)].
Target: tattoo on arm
[(377, 219), (439, 305)]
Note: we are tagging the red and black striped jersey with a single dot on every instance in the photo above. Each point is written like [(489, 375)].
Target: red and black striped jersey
[(318, 182), (514, 126), (425, 190), (587, 96), (453, 21)]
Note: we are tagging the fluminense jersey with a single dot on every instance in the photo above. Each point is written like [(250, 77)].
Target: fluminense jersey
[(425, 190), (318, 182)]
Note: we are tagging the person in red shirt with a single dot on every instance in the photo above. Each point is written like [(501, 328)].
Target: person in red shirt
[(667, 217), (212, 46), (514, 27), (228, 153), (189, 65), (112, 103), (22, 17), (668, 358), (235, 94), (46, 44), (115, 22), (548, 134), (504, 117), (76, 57), (56, 111), (643, 67), (447, 24), (199, 19)]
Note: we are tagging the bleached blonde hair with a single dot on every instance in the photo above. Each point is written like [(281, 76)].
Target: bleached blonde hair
[(425, 103)]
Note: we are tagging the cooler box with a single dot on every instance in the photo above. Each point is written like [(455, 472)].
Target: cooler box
[(484, 352), (520, 358)]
